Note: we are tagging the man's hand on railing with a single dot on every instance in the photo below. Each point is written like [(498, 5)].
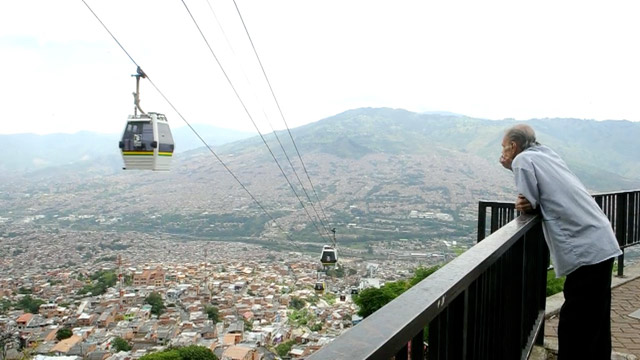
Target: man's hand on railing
[(524, 206)]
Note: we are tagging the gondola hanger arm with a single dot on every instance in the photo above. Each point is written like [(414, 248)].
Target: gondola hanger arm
[(136, 95)]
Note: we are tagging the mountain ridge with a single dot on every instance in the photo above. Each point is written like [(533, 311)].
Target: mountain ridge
[(378, 173)]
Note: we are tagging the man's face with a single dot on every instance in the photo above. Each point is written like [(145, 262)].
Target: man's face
[(509, 151)]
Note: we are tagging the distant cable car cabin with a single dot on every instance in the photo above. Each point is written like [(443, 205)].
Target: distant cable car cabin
[(329, 255), (319, 287), (147, 143)]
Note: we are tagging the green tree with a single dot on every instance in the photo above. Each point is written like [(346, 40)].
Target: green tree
[(5, 305), (192, 352), (100, 282), (371, 299), (157, 305), (120, 344), (169, 354), (297, 303), (422, 273), (300, 317), (29, 304), (63, 333), (212, 313), (248, 325), (284, 348)]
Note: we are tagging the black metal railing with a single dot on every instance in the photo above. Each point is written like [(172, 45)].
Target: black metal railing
[(500, 213), (622, 208), (488, 303)]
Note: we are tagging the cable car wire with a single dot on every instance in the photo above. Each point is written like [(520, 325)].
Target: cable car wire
[(251, 118), (194, 131), (324, 226), (281, 114)]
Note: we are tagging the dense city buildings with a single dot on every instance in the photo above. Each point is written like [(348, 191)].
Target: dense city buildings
[(239, 300)]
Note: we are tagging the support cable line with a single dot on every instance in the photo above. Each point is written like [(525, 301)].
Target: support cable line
[(252, 120), (281, 113), (196, 133), (324, 226)]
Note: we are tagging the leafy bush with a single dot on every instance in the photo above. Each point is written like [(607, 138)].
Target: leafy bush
[(120, 344), (157, 305), (212, 313), (284, 348), (64, 333), (297, 303), (554, 285), (29, 304), (371, 299), (192, 352)]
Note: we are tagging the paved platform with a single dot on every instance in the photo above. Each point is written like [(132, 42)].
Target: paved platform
[(625, 326)]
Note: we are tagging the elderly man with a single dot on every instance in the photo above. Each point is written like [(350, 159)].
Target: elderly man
[(580, 239)]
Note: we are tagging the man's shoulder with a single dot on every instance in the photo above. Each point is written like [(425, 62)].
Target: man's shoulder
[(537, 151), (533, 155)]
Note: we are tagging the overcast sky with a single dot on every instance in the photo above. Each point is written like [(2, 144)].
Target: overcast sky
[(60, 71)]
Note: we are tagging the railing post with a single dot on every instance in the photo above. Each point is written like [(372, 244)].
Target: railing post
[(621, 264), (621, 227), (482, 220), (403, 354), (417, 346)]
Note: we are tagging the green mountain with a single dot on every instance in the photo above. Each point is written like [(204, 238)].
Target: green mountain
[(378, 173), (603, 153)]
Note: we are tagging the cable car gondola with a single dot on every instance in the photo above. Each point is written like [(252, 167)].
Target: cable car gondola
[(329, 255), (147, 143), (319, 287)]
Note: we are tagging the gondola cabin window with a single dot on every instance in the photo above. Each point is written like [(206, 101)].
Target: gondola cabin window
[(166, 140), (138, 136)]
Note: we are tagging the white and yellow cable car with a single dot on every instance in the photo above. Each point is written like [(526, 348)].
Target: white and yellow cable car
[(147, 143)]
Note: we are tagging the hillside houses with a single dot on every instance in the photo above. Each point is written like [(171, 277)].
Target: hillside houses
[(252, 289)]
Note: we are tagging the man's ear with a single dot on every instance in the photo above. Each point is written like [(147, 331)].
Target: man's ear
[(514, 147)]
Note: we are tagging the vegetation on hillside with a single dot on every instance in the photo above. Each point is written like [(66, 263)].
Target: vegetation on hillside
[(99, 282), (371, 299), (157, 305), (120, 344), (192, 352)]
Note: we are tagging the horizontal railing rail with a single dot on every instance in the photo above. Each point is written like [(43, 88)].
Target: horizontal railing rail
[(621, 207), (488, 303)]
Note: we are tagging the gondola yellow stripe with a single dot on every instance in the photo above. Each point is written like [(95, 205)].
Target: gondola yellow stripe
[(165, 154), (138, 153)]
